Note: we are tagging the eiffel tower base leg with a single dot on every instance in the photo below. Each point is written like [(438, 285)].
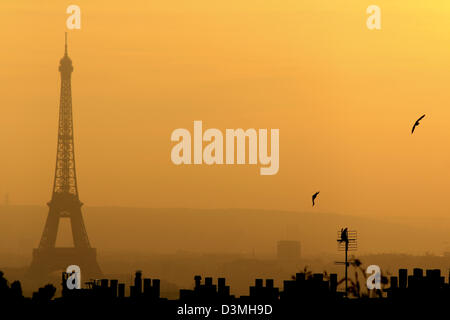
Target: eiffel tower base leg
[(48, 260)]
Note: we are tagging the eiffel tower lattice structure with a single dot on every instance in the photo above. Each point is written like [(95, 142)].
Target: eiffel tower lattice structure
[(65, 201)]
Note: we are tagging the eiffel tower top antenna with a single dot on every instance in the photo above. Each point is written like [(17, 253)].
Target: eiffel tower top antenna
[(65, 47)]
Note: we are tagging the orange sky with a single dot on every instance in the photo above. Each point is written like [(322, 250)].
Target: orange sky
[(343, 97)]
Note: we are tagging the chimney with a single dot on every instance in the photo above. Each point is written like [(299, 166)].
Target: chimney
[(138, 283), (402, 278), (198, 280), (104, 284), (114, 284), (147, 286), (156, 288)]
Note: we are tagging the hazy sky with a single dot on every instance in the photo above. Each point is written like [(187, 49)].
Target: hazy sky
[(343, 97)]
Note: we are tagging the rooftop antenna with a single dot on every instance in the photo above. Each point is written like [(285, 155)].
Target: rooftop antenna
[(347, 241)]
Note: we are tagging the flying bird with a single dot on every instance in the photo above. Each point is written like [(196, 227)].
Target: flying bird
[(314, 197), (416, 123)]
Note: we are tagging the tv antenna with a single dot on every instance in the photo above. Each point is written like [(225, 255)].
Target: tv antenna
[(347, 241)]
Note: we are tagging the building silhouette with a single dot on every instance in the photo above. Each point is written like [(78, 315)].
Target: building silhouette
[(306, 293)]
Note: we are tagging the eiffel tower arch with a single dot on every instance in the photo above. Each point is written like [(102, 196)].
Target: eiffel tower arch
[(65, 202)]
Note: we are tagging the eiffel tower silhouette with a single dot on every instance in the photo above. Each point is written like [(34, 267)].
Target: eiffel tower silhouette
[(65, 202)]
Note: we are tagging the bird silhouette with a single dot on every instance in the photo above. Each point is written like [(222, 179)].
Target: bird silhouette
[(344, 235), (416, 123), (314, 197)]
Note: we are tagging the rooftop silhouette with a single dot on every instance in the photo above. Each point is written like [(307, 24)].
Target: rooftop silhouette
[(304, 291)]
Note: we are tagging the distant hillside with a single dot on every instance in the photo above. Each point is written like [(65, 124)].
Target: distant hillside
[(144, 230)]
